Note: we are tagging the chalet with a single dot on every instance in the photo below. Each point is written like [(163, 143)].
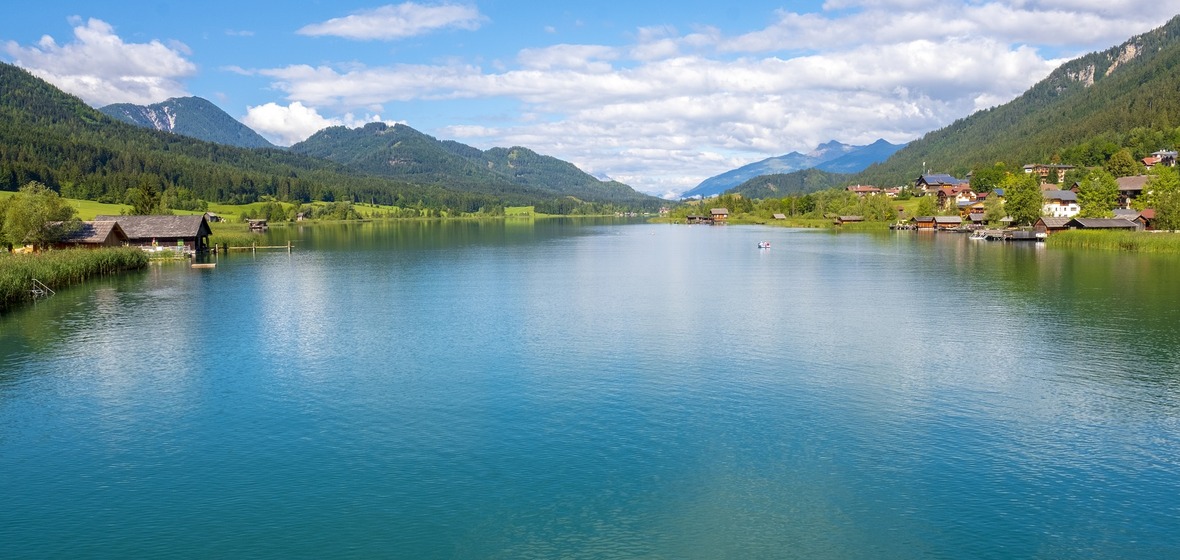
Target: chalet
[(1166, 157), (947, 222), (930, 182), (923, 222), (969, 207), (1151, 161), (719, 214), (863, 190), (1048, 172), (1050, 224), (841, 220), (1130, 188), (1101, 223), (187, 233), (1145, 218), (1060, 204), (953, 195), (93, 235), (892, 192)]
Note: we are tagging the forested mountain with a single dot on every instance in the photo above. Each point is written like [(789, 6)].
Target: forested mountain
[(777, 185), (401, 152), (1135, 84), (833, 157), (190, 116), (49, 136)]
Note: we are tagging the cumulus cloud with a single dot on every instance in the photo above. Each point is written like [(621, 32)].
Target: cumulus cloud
[(398, 21), (295, 122), (101, 68)]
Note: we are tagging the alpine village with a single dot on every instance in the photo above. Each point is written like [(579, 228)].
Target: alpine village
[(1086, 158)]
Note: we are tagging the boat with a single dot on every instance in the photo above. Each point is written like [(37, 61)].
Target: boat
[(978, 234), (763, 244)]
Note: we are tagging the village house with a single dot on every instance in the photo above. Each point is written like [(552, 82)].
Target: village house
[(189, 234), (1165, 157), (946, 196), (1060, 204), (969, 207), (863, 190), (1130, 188), (927, 183), (1048, 172), (1145, 218)]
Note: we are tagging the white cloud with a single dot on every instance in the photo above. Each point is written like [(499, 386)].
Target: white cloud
[(398, 21), (295, 122), (102, 69)]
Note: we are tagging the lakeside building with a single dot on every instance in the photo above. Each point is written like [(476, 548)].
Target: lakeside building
[(189, 234)]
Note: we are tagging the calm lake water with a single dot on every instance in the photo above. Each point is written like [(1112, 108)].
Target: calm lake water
[(600, 390)]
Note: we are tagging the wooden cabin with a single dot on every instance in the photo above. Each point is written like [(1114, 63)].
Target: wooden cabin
[(182, 233), (93, 235), (1102, 223), (719, 214), (1050, 224), (841, 220), (923, 222)]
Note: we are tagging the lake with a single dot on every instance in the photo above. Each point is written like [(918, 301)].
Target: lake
[(600, 389)]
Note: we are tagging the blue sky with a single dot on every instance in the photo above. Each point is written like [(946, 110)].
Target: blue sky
[(659, 95)]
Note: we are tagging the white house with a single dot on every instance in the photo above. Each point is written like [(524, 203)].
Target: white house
[(1060, 204)]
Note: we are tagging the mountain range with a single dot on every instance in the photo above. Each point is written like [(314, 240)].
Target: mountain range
[(52, 137), (832, 157), (189, 116), (401, 152)]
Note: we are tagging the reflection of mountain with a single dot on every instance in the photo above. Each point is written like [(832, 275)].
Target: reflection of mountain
[(832, 157)]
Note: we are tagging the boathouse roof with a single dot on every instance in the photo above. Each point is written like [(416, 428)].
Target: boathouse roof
[(147, 227)]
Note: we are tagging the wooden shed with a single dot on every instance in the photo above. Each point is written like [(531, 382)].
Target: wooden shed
[(719, 214), (923, 222), (1102, 223), (1050, 224), (95, 234), (841, 220), (187, 233)]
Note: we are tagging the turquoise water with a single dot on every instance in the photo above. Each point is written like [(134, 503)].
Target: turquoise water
[(597, 390)]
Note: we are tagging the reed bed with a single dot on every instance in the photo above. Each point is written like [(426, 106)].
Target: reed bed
[(58, 269), (1135, 241)]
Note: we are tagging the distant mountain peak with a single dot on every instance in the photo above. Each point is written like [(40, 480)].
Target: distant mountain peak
[(832, 157), (189, 116)]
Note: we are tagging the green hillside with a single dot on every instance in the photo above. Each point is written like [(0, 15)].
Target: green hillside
[(1136, 84), (49, 136), (401, 152), (779, 185)]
